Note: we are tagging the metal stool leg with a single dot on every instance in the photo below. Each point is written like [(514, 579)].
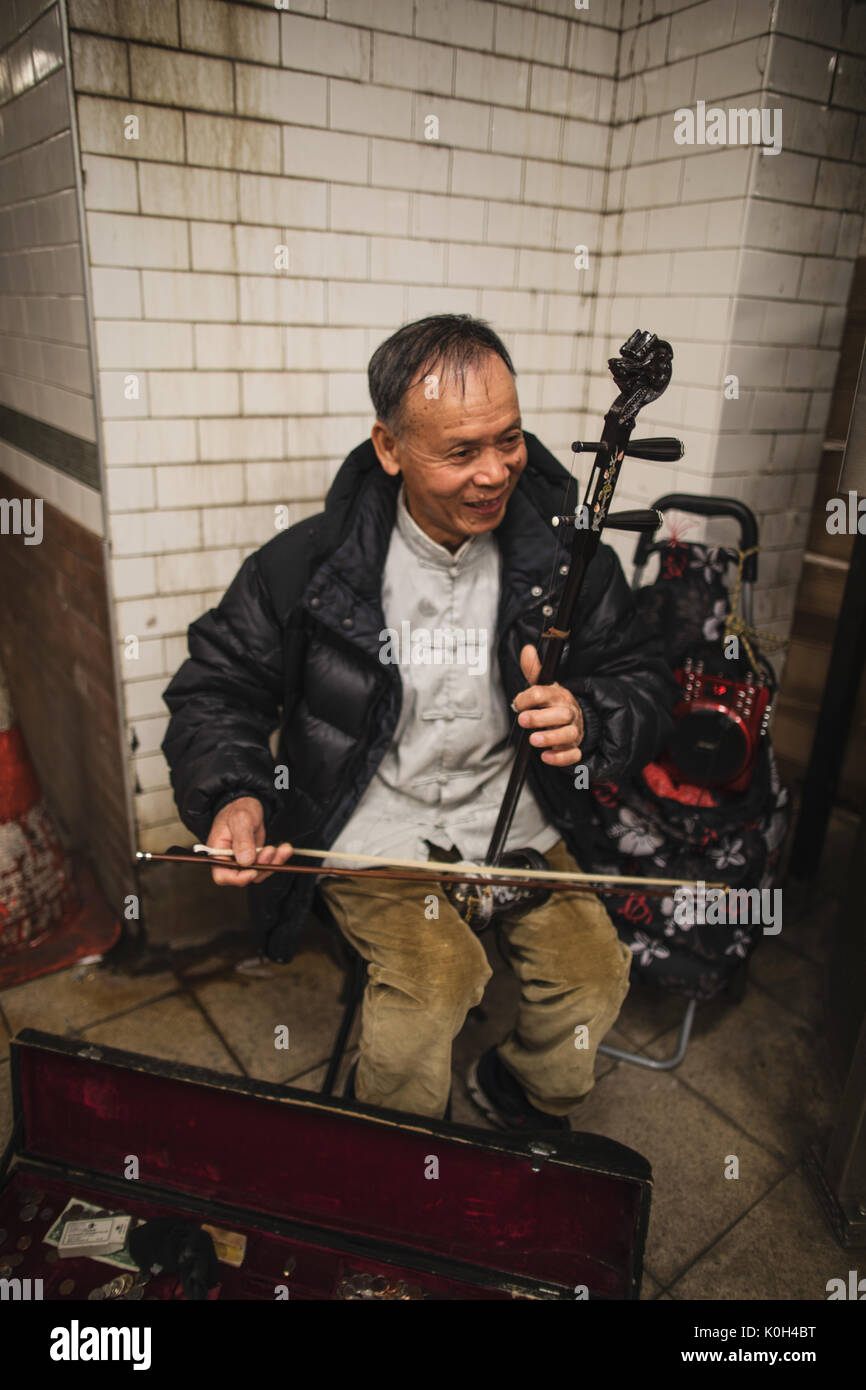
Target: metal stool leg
[(666, 1063)]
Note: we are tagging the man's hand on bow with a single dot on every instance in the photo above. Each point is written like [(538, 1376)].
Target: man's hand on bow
[(240, 828), (552, 711)]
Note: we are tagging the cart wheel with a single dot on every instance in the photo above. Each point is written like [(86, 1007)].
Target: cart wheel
[(738, 983)]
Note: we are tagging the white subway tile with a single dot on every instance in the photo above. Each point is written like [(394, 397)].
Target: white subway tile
[(423, 300), (238, 345), (180, 79), (841, 185), (573, 94), (730, 72), (489, 266), (394, 16), (289, 393), (560, 186), (368, 110), (133, 578), (154, 533), (809, 368), (451, 219), (665, 89), (155, 22), (325, 154), (201, 484), (423, 67), (302, 480), (799, 68), (274, 299), (787, 177), (772, 226), (592, 50), (347, 391), (333, 49), (488, 78), (527, 133), (148, 441), (780, 410), (130, 489), (240, 439), (99, 65), (510, 310), (102, 124), (283, 202), (213, 27), (421, 262), (156, 617), (461, 23), (646, 47), (123, 394), (523, 34), (123, 344), (147, 660), (486, 175), (701, 28), (121, 239), (176, 295), (310, 437), (193, 393), (770, 274), (369, 210), (404, 164), (826, 280), (720, 174), (116, 293), (193, 570), (238, 525), (226, 143), (653, 185), (169, 191), (323, 349), (463, 123), (520, 224), (275, 95), (109, 184)]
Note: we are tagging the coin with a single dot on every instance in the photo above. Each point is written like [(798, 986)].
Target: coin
[(51, 1257), (46, 1214), (38, 1197), (24, 1242), (27, 1213), (5, 1270), (135, 1293), (96, 1295), (67, 1286)]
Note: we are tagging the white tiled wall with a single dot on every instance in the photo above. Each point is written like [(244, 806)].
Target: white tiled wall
[(45, 368), (229, 386)]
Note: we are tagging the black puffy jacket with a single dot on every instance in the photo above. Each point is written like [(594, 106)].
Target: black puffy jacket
[(297, 635)]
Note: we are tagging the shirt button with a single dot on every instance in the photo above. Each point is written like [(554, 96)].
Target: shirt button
[(536, 591), (547, 610), (563, 569), (347, 622), (314, 602)]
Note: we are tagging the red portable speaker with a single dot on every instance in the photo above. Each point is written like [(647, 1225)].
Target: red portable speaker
[(719, 726)]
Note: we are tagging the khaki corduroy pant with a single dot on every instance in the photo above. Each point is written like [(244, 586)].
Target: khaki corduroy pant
[(426, 972)]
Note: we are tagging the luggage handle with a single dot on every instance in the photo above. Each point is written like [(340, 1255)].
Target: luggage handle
[(709, 507)]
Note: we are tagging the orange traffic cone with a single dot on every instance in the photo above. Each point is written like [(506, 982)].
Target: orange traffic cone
[(36, 891), (45, 921)]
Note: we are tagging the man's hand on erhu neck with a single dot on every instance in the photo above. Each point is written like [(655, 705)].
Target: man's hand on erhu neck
[(551, 712)]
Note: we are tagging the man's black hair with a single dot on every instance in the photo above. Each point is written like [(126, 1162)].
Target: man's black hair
[(452, 342)]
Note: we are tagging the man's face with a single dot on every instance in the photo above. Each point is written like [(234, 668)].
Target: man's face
[(460, 454)]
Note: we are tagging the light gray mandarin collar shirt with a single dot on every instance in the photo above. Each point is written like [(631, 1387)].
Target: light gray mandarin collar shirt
[(445, 772)]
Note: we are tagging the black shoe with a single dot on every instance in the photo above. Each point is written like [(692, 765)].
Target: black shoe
[(349, 1089), (501, 1098)]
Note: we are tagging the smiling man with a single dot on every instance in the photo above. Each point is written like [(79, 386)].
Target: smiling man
[(436, 529)]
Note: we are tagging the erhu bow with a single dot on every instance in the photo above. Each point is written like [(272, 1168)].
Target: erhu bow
[(642, 373)]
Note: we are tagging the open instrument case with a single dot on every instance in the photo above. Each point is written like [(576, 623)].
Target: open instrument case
[(322, 1189)]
